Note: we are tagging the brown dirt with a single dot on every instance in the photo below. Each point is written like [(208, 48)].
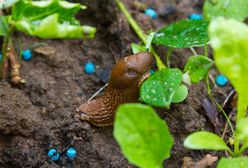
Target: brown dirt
[(38, 115)]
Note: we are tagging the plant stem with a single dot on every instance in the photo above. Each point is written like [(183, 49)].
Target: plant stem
[(139, 32), (206, 49), (231, 152), (4, 50), (236, 145), (168, 55), (243, 148)]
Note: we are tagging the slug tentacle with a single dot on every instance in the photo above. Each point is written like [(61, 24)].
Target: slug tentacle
[(126, 78)]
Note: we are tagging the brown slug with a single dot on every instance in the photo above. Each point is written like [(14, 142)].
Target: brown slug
[(123, 87)]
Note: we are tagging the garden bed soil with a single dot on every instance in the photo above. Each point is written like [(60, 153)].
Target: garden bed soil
[(38, 116)]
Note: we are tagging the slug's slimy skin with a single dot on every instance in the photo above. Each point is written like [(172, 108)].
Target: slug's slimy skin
[(123, 87)]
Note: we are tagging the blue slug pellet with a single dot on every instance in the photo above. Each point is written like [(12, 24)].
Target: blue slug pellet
[(53, 154), (71, 153), (151, 71), (27, 55), (151, 13), (1, 56), (221, 80), (195, 16), (89, 68)]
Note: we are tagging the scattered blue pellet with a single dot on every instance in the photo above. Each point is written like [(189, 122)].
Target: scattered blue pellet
[(53, 154), (151, 13), (89, 68), (221, 80), (1, 56), (71, 153), (27, 55), (151, 71), (195, 16)]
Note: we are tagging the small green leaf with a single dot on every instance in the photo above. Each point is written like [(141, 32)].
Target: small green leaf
[(205, 140), (229, 42), (159, 89), (50, 19), (136, 48), (227, 8), (240, 162), (144, 138), (180, 94), (149, 40), (7, 3), (198, 67), (4, 26), (183, 34)]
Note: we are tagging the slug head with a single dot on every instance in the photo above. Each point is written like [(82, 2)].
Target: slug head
[(128, 71)]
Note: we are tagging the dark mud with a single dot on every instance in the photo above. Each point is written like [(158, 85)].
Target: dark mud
[(38, 116)]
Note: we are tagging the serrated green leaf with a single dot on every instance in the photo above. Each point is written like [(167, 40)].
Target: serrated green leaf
[(228, 8), (205, 140), (240, 162), (7, 3), (144, 138), (159, 89), (136, 48), (198, 67), (49, 19), (229, 41), (183, 34), (180, 94), (4, 26)]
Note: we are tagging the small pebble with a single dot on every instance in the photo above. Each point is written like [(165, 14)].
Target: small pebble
[(89, 68), (27, 55), (167, 12), (221, 80), (151, 13), (71, 153), (195, 16), (53, 154)]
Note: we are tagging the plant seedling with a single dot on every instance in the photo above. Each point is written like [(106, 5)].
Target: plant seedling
[(44, 19), (230, 53)]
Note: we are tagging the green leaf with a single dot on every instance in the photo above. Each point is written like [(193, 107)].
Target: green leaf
[(159, 89), (149, 40), (240, 162), (198, 67), (180, 94), (49, 19), (228, 8), (229, 41), (4, 26), (7, 3), (136, 48), (183, 34), (144, 138), (242, 129), (205, 140)]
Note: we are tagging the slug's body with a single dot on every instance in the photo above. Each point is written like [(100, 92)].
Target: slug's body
[(123, 87)]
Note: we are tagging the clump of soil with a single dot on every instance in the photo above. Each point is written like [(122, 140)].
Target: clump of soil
[(39, 115)]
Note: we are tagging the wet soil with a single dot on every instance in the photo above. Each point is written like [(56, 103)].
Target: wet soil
[(38, 116)]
